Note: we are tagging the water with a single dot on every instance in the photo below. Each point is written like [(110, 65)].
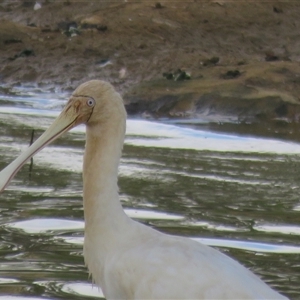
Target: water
[(232, 190)]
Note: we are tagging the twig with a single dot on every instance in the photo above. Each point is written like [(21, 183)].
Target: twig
[(31, 159)]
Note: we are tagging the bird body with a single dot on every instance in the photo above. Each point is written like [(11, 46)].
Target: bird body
[(147, 264), (127, 259)]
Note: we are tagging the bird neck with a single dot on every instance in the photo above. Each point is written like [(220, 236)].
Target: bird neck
[(106, 223), (102, 208)]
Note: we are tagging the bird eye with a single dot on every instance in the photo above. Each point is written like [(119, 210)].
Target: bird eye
[(90, 102)]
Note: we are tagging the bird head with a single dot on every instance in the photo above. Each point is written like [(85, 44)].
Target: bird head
[(87, 105)]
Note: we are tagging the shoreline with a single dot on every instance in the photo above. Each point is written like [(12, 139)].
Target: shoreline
[(220, 58)]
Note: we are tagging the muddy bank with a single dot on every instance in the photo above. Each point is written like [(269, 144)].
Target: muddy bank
[(237, 59), (260, 91)]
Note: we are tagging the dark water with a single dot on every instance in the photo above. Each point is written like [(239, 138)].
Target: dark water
[(236, 192)]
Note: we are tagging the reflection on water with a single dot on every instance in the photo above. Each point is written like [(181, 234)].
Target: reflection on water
[(234, 192), (250, 246), (7, 297), (44, 225), (82, 289)]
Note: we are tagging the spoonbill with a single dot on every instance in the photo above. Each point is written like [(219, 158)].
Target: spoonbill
[(127, 259)]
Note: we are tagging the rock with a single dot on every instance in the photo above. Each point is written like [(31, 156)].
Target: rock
[(28, 3), (270, 56), (158, 5), (169, 76), (231, 74), (26, 52), (37, 6), (179, 75), (94, 21), (12, 41), (70, 29), (103, 62), (211, 61), (277, 10), (11, 33), (122, 73), (23, 53)]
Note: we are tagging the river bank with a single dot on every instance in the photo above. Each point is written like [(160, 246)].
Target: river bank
[(168, 59)]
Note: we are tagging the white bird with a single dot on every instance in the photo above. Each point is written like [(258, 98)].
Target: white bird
[(127, 259)]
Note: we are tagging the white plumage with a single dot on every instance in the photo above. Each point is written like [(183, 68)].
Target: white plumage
[(129, 260)]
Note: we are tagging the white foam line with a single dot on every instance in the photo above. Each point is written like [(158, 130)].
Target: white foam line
[(145, 133)]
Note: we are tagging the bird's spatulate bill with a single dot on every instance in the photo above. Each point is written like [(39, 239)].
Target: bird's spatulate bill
[(63, 123)]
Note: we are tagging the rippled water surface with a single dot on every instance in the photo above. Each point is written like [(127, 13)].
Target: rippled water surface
[(236, 192)]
